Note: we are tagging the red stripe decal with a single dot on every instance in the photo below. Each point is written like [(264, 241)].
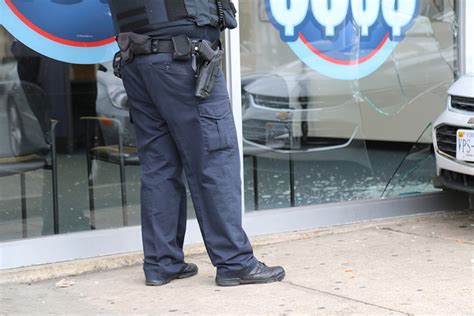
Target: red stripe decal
[(343, 62), (55, 38)]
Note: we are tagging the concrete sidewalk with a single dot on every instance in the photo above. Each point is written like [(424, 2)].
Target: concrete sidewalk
[(415, 265)]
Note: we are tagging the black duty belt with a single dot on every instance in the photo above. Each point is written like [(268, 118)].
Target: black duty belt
[(183, 48), (161, 46)]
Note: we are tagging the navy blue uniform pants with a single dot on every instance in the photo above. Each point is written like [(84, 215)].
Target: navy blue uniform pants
[(177, 132)]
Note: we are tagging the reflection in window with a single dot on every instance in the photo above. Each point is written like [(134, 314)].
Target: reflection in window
[(341, 140), (44, 176)]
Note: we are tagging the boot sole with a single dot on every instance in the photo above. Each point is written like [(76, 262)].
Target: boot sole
[(237, 281), (177, 277)]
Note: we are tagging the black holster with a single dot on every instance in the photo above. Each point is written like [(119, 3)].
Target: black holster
[(208, 69), (130, 44)]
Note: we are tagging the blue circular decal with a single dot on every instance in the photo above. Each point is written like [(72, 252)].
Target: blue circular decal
[(343, 39), (73, 31)]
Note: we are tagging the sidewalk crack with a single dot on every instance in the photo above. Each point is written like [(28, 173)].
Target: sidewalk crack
[(345, 298), (428, 236)]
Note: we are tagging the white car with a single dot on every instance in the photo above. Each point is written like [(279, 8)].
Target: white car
[(23, 106), (112, 102), (453, 135)]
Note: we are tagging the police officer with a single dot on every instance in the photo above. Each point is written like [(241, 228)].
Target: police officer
[(179, 131)]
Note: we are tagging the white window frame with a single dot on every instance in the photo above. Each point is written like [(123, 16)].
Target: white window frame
[(466, 34), (233, 77)]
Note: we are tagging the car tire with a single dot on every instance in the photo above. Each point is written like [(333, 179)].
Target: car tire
[(15, 128)]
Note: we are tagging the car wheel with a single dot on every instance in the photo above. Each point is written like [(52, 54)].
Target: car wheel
[(15, 127)]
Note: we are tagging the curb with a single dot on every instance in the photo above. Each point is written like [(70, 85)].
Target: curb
[(77, 267)]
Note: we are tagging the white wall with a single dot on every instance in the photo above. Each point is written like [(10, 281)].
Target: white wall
[(469, 36)]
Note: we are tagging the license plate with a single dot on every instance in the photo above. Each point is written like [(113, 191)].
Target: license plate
[(465, 145)]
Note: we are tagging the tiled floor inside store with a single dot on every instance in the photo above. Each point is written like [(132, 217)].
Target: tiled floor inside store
[(316, 182)]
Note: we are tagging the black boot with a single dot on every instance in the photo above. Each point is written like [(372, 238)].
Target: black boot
[(188, 270), (258, 275)]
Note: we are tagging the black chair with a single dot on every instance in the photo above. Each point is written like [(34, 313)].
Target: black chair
[(254, 158), (254, 150), (31, 136), (20, 165), (117, 154)]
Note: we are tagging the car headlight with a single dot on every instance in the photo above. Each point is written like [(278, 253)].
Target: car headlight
[(450, 107)]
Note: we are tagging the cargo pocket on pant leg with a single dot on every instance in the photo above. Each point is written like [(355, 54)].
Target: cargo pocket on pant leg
[(216, 124)]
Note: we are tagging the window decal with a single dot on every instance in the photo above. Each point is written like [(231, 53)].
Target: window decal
[(343, 39), (73, 31)]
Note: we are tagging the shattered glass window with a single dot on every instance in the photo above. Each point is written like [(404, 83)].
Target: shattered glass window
[(334, 114)]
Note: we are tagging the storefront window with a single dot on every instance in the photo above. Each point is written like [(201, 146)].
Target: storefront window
[(68, 161), (44, 135), (311, 134), (337, 101)]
